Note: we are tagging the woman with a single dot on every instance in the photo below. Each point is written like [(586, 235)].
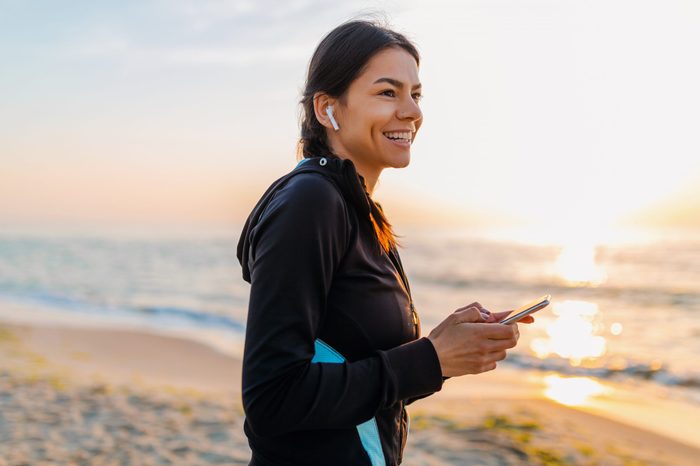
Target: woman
[(333, 351)]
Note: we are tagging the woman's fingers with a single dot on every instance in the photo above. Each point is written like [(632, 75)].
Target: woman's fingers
[(468, 315), (485, 313), (474, 304), (497, 356), (499, 316), (491, 346), (492, 317), (504, 334)]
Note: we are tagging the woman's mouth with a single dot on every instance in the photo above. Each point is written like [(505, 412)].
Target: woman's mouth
[(400, 138)]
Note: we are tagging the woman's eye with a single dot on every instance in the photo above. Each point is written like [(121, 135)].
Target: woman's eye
[(391, 93)]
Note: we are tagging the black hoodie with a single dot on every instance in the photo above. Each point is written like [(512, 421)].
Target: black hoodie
[(317, 272)]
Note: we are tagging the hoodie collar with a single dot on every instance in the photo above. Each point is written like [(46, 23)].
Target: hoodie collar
[(341, 172), (344, 173)]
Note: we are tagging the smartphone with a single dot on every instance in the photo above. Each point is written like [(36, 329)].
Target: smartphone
[(527, 309)]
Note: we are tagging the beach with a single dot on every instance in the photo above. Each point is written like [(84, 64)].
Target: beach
[(73, 395)]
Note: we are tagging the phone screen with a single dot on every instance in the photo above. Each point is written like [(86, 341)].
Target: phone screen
[(528, 309)]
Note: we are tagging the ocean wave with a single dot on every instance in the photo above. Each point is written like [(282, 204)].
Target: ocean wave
[(201, 318), (168, 315), (632, 295), (654, 372)]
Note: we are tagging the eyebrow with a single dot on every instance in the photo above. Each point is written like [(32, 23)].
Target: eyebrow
[(395, 83)]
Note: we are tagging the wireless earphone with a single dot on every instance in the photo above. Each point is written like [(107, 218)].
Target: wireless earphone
[(329, 112)]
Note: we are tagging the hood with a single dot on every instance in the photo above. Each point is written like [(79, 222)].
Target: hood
[(341, 172)]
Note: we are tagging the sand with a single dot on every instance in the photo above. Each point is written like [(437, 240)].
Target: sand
[(88, 396)]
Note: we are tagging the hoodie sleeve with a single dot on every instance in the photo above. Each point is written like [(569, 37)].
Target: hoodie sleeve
[(416, 398), (295, 249)]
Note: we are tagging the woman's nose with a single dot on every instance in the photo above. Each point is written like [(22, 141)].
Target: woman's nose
[(410, 109)]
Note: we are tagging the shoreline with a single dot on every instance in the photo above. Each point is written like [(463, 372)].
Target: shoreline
[(483, 416)]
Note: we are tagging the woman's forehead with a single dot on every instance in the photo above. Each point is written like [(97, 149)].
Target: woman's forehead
[(391, 66)]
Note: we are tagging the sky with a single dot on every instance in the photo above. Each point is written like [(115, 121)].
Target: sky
[(565, 115)]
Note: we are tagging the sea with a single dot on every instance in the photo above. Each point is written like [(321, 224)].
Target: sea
[(627, 310)]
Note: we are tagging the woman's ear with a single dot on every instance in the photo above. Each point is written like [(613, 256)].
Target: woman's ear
[(321, 104)]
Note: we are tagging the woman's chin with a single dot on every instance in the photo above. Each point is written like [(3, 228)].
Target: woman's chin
[(403, 161), (396, 160)]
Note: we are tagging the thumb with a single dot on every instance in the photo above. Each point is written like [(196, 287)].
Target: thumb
[(469, 315), (499, 316)]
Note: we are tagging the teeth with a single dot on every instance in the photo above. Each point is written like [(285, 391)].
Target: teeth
[(405, 135)]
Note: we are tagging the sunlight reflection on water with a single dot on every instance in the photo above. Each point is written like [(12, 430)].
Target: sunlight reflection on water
[(571, 334)]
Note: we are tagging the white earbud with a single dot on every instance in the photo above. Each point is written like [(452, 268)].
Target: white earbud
[(329, 112)]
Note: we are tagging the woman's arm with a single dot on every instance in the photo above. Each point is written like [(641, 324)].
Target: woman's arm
[(295, 249)]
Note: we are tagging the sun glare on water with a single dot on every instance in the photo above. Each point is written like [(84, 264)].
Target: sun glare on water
[(571, 334)]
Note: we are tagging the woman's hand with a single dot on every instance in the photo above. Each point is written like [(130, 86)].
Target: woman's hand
[(467, 342)]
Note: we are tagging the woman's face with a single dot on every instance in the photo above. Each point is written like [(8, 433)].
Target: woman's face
[(379, 115)]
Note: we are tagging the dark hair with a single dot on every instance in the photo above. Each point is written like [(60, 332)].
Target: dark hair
[(340, 58)]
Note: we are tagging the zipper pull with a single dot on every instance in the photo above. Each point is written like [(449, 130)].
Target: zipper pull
[(414, 314)]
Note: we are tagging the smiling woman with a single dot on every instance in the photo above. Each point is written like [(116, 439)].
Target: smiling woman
[(333, 351), (372, 93)]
